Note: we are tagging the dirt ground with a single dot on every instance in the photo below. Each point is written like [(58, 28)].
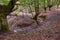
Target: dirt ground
[(52, 33)]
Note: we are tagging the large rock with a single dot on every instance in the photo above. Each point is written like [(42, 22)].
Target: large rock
[(10, 19), (21, 23)]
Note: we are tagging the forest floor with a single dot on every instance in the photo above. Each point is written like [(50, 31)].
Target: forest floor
[(45, 34)]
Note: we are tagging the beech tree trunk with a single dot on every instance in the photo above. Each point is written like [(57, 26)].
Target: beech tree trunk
[(6, 10)]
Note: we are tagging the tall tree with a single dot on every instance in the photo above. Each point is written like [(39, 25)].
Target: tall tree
[(4, 11)]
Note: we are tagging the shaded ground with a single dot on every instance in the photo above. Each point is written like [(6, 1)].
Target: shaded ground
[(50, 30)]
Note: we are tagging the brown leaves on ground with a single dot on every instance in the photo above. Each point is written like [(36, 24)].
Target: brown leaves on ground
[(50, 31)]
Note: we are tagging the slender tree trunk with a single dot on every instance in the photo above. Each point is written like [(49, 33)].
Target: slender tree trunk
[(36, 11), (0, 23), (45, 7), (58, 3), (50, 4), (30, 10)]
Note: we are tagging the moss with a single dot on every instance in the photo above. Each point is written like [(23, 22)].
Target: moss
[(5, 28)]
